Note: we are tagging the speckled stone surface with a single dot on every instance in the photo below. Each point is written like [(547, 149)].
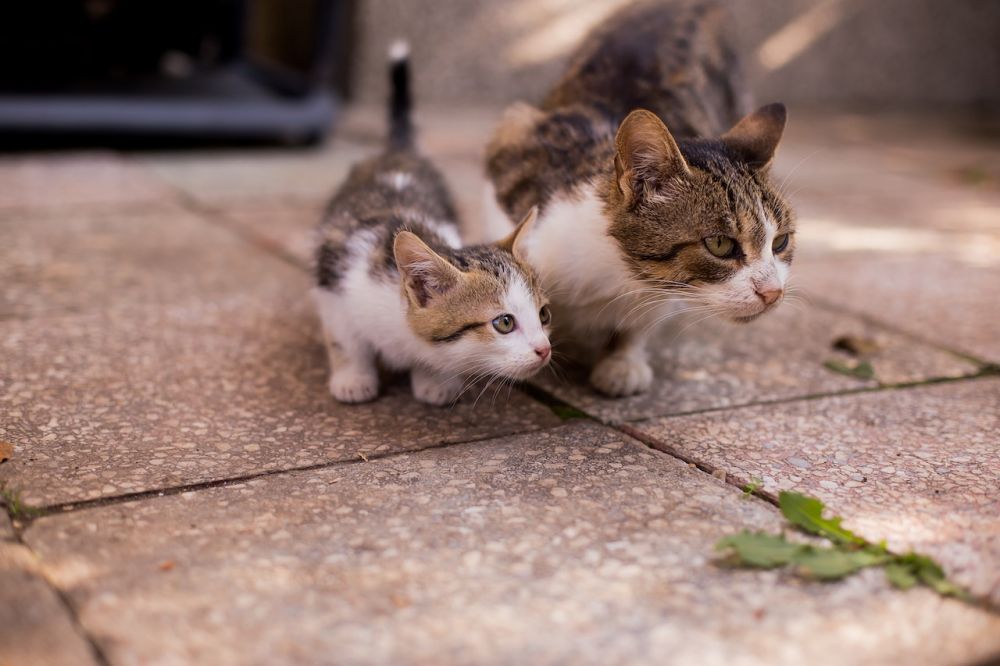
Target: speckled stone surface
[(300, 175), (947, 300), (35, 626), (70, 181), (778, 357), (919, 467), (98, 261), (101, 405), (567, 546)]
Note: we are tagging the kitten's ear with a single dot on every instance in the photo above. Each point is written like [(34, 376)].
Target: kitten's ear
[(756, 136), (646, 154), (425, 273), (514, 243)]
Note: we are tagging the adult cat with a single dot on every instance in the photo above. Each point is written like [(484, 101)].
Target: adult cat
[(634, 215)]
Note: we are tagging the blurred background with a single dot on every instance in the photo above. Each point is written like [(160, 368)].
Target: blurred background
[(275, 69)]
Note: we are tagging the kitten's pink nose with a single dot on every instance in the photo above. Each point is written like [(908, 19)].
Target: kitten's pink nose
[(543, 351), (769, 296)]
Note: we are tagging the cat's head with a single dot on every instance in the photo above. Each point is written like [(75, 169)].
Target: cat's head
[(702, 219), (480, 307)]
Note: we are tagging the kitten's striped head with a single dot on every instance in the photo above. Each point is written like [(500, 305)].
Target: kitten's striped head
[(702, 218), (480, 307)]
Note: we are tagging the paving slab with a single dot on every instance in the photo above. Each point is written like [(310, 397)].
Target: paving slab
[(919, 467), (35, 626), (293, 175), (572, 545), (94, 261), (69, 181), (713, 364), (228, 385), (944, 299)]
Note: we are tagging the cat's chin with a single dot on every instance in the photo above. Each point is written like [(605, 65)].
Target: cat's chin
[(746, 319)]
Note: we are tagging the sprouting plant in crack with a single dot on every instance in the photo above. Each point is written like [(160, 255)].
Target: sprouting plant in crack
[(752, 487), (847, 554), (14, 504)]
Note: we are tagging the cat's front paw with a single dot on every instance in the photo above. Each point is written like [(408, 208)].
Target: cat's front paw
[(618, 376), (434, 390), (353, 385)]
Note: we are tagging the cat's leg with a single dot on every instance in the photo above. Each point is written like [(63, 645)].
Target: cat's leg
[(353, 372), (435, 388), (624, 369)]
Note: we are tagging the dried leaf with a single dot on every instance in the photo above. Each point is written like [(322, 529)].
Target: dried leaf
[(6, 451), (856, 345)]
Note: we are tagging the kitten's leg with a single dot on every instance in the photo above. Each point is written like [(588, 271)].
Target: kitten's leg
[(353, 374), (434, 388), (624, 370)]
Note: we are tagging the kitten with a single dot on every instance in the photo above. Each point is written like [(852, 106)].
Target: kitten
[(635, 217), (394, 285)]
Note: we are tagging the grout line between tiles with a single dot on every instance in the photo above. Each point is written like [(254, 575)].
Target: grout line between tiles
[(64, 600), (22, 523)]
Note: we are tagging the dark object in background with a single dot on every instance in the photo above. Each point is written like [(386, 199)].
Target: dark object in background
[(162, 69)]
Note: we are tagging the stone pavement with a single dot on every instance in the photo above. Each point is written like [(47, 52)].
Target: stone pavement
[(189, 494)]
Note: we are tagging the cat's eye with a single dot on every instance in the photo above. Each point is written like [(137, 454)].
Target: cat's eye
[(723, 247), (504, 324), (545, 315), (779, 243)]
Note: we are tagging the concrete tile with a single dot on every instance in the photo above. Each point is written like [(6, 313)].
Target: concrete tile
[(66, 182), (218, 387), (918, 467), (780, 356), (940, 298), (567, 546), (35, 627), (293, 175), (93, 261)]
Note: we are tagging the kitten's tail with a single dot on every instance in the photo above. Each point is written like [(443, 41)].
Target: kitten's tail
[(400, 102)]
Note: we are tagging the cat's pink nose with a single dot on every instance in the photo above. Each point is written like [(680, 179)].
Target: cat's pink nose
[(543, 351), (769, 296)]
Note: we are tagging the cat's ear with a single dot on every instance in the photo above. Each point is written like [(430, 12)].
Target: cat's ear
[(514, 243), (425, 273), (646, 154), (755, 138)]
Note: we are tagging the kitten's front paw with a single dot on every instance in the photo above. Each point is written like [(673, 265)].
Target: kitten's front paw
[(618, 376), (434, 390), (353, 385)]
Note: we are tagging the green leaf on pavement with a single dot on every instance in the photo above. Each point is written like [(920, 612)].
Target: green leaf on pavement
[(836, 562), (847, 554), (758, 549), (806, 513), (860, 370), (900, 575)]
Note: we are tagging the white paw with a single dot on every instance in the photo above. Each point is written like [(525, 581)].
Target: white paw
[(353, 385), (434, 390), (618, 376)]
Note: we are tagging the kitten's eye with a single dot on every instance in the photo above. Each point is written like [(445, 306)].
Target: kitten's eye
[(779, 243), (545, 315), (504, 324), (723, 247)]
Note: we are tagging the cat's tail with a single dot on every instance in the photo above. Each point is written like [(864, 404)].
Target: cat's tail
[(400, 101)]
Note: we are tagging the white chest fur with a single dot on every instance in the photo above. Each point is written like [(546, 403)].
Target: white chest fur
[(582, 269)]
